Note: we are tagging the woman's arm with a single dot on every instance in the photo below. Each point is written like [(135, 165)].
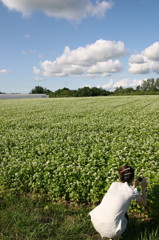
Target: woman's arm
[(143, 199)]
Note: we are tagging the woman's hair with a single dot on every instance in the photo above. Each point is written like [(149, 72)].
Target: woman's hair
[(126, 173)]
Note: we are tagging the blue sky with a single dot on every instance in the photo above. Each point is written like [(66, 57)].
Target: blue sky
[(72, 43)]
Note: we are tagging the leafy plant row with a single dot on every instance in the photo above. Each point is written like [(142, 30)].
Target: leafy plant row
[(70, 149)]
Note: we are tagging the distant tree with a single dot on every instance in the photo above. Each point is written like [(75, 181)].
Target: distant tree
[(157, 84), (39, 89), (84, 92), (128, 90), (64, 92), (138, 88), (150, 85), (104, 92), (96, 91), (118, 90)]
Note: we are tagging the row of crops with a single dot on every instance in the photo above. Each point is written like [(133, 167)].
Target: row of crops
[(71, 148)]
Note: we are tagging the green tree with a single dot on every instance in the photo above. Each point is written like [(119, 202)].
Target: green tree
[(64, 92), (84, 92), (138, 88), (118, 90), (96, 91), (157, 84), (149, 85), (39, 89)]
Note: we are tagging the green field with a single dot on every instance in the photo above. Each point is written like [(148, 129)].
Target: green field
[(31, 219), (69, 150)]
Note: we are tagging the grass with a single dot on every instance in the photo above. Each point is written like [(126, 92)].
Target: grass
[(25, 218)]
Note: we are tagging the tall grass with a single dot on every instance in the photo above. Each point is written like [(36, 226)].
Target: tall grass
[(25, 218)]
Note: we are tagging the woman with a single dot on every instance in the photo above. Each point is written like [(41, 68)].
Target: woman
[(108, 218)]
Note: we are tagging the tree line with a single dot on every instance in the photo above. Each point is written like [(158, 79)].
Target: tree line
[(149, 86), (66, 92)]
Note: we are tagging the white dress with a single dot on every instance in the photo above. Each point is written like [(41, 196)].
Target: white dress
[(108, 218)]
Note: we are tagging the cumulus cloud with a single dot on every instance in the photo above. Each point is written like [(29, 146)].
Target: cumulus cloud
[(108, 85), (152, 52), (138, 58), (4, 71), (105, 68), (146, 62), (124, 82), (68, 9), (98, 9), (99, 58)]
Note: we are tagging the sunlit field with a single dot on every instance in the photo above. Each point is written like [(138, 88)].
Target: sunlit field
[(69, 149), (72, 148)]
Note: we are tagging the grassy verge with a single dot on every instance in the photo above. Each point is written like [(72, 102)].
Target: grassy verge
[(32, 219)]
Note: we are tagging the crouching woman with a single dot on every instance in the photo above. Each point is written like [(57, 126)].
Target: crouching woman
[(108, 218)]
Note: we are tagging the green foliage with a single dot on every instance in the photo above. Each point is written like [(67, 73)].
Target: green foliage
[(81, 92), (29, 219), (121, 90), (39, 89), (151, 85), (71, 148), (148, 87)]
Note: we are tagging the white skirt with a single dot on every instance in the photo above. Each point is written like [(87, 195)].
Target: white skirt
[(109, 229)]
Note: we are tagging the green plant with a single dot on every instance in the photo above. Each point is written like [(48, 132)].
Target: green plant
[(70, 149)]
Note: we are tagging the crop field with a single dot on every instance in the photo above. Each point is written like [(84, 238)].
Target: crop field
[(70, 148)]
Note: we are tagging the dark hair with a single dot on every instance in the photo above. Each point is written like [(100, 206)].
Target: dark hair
[(126, 173)]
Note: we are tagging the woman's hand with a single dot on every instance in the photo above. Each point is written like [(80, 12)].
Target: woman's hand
[(136, 183), (144, 183), (142, 199)]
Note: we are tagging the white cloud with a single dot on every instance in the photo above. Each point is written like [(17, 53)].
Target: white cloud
[(122, 83), (108, 85), (152, 52), (155, 67), (137, 68), (4, 71), (99, 58), (138, 58), (105, 68), (99, 8), (58, 69), (39, 79), (146, 62), (28, 52), (36, 70), (68, 9), (125, 83)]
